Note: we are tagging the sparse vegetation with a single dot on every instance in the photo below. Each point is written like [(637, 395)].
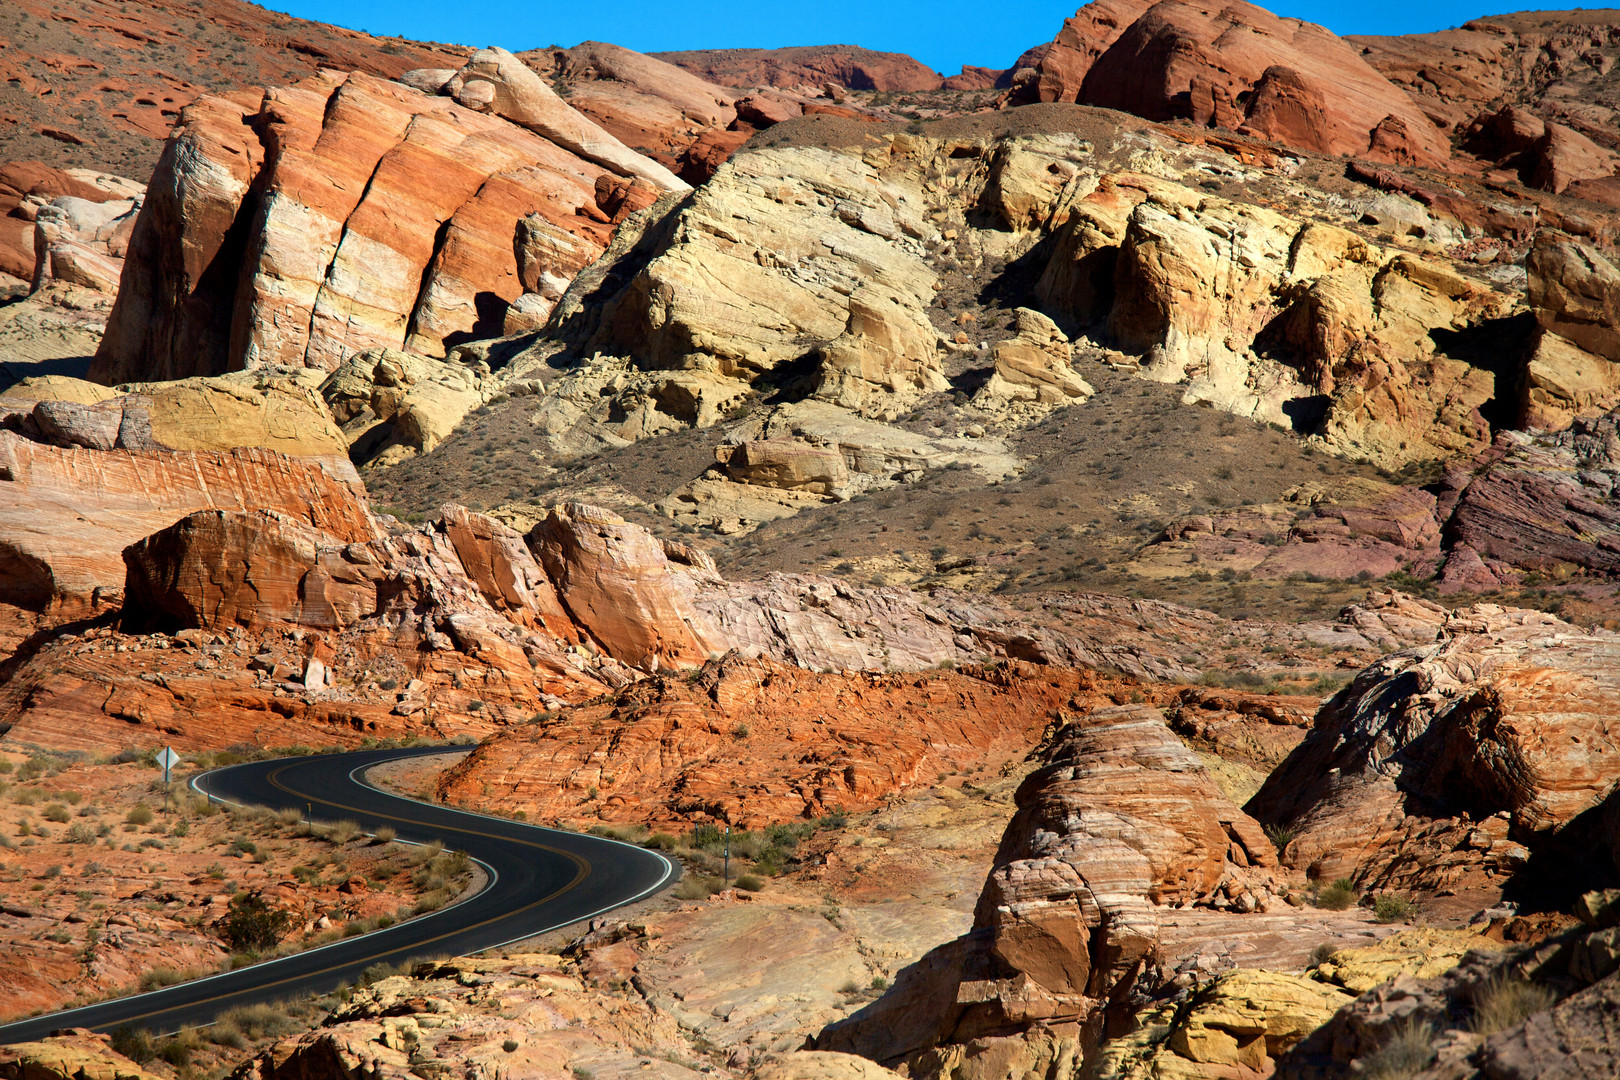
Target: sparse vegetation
[(1503, 1002), (1339, 895), (252, 923), (1391, 908), (1408, 1051)]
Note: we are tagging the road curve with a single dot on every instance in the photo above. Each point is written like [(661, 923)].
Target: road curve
[(539, 880)]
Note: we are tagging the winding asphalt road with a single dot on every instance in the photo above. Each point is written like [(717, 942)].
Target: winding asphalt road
[(539, 880)]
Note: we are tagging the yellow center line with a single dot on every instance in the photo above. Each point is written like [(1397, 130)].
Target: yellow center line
[(583, 869)]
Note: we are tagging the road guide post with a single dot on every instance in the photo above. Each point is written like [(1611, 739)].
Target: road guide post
[(168, 759)]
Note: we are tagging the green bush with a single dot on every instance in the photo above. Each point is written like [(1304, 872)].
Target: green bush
[(1390, 908), (139, 814), (58, 813), (750, 882), (251, 924), (1339, 896)]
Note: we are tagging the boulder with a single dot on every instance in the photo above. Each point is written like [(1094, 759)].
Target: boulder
[(219, 569), (1487, 747), (617, 583), (73, 511), (790, 464), (1033, 366)]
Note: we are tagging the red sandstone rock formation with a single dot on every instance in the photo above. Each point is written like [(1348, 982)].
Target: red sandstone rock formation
[(759, 742), (1241, 68), (348, 212), (1458, 765), (807, 66), (73, 511)]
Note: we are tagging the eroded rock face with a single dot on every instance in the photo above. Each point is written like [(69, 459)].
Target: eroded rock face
[(1256, 312), (74, 510), (1241, 68), (1033, 367), (781, 247), (393, 405), (1120, 819), (341, 245), (1457, 765), (1575, 292), (807, 66), (760, 742)]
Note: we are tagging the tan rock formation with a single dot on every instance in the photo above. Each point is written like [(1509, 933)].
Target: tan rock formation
[(753, 267), (885, 358), (75, 1054), (1563, 382), (393, 404), (1575, 293), (1033, 367), (1236, 1026), (1295, 310)]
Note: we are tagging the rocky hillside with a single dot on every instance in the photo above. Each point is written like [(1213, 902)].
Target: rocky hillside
[(1118, 556)]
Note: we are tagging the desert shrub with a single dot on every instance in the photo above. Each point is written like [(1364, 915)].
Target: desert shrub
[(661, 841), (58, 813), (139, 814), (80, 833), (133, 1043), (879, 983), (386, 834), (1323, 953), (1501, 1003), (705, 835), (850, 986), (1407, 1052), (750, 882), (6, 766), (1338, 896), (253, 924), (835, 819), (697, 887), (509, 1045), (1390, 908), (289, 815), (341, 832), (158, 978), (260, 1021)]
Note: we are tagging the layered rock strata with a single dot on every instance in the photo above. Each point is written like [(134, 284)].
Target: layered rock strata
[(297, 230), (1456, 766), (1119, 820)]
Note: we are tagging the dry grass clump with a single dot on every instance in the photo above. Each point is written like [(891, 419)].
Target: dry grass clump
[(1408, 1052), (1501, 1003)]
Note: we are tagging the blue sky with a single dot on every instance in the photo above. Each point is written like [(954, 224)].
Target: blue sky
[(945, 34)]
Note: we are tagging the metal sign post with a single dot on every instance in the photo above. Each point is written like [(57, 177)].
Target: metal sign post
[(726, 873), (168, 759)]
